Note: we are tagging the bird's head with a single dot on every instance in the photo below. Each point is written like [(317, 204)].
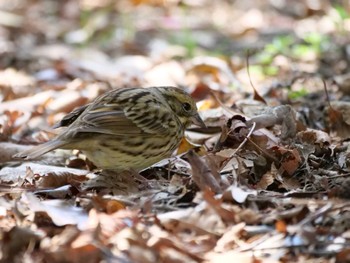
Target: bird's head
[(183, 105)]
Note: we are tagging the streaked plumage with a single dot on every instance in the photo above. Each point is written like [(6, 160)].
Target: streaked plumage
[(130, 128)]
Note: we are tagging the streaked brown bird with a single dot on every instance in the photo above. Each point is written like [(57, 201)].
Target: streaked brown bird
[(129, 128)]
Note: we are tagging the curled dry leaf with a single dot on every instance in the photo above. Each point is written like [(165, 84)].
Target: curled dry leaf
[(316, 142), (202, 175), (237, 134), (14, 174), (267, 179), (238, 194), (233, 133), (58, 179), (289, 159), (339, 118), (283, 115), (311, 136)]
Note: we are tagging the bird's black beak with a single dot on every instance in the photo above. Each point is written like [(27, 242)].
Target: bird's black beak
[(197, 120)]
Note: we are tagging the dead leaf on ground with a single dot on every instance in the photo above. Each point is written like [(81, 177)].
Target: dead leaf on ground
[(289, 159), (339, 118), (59, 175), (283, 115), (202, 175), (60, 212)]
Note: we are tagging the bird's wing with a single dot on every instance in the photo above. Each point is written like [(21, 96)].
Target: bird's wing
[(123, 116), (107, 121), (71, 117)]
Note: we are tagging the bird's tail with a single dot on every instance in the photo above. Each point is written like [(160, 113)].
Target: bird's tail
[(39, 150)]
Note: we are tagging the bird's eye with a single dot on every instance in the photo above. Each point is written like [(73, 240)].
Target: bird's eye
[(186, 106)]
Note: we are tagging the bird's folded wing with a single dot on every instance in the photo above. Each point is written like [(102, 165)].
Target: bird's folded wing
[(115, 122), (105, 122), (71, 117)]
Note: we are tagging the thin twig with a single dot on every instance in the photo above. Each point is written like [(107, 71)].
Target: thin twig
[(245, 139)]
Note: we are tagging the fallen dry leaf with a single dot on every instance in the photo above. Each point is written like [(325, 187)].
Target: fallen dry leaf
[(202, 174), (60, 212)]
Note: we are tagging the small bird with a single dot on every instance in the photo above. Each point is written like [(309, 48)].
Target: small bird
[(125, 129)]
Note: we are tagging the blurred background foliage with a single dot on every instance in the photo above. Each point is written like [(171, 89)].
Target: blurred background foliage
[(281, 36)]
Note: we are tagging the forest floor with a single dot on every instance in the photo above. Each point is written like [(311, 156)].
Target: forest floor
[(266, 181)]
